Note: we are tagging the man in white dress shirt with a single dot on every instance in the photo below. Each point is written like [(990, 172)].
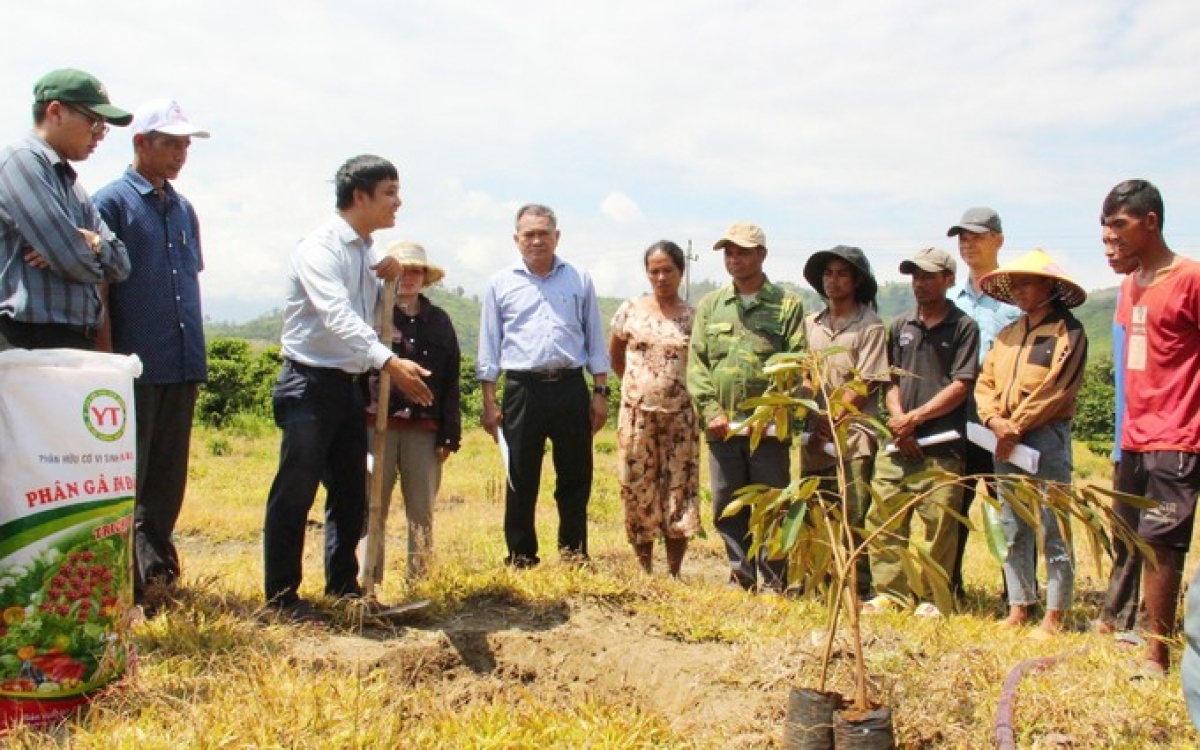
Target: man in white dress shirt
[(328, 345)]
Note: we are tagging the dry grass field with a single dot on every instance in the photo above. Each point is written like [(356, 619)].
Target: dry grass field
[(563, 656)]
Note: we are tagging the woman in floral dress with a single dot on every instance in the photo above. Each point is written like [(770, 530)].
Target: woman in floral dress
[(658, 453)]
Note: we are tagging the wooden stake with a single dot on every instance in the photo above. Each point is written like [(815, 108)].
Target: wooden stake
[(375, 519)]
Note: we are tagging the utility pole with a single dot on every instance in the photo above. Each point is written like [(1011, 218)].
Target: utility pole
[(687, 276)]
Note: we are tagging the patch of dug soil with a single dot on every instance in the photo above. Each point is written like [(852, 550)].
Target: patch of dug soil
[(714, 693)]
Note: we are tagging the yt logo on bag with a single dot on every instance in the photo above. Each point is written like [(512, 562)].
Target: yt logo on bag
[(105, 415)]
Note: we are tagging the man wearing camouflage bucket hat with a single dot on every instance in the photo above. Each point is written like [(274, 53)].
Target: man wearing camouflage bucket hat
[(54, 247), (842, 276), (1026, 395)]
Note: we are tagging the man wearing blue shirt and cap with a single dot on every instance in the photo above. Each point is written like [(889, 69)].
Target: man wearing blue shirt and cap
[(155, 314), (54, 248), (980, 237)]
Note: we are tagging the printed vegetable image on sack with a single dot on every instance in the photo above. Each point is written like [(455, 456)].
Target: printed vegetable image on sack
[(66, 520)]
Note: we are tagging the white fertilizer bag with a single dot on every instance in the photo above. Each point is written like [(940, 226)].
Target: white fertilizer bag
[(67, 485)]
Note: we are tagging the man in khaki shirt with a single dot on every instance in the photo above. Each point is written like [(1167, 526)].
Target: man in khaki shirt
[(849, 322)]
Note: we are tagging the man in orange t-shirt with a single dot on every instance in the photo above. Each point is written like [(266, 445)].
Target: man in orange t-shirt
[(1160, 443)]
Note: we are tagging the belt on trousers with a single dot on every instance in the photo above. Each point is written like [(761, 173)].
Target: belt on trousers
[(331, 372), (543, 376), (88, 332)]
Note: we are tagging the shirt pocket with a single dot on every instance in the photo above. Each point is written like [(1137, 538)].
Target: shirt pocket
[(568, 312), (1041, 354), (719, 340)]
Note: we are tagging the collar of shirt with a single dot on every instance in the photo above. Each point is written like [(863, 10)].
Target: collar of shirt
[(968, 300), (823, 319), (423, 304), (139, 183), (952, 316), (63, 167), (768, 292), (520, 267)]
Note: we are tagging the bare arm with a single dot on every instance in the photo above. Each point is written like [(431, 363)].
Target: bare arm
[(616, 354), (492, 415)]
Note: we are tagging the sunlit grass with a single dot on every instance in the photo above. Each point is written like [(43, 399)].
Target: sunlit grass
[(549, 657)]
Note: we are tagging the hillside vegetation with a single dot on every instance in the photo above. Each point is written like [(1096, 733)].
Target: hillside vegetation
[(894, 298)]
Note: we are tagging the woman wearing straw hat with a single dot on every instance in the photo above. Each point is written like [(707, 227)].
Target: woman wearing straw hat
[(419, 438), (1026, 394)]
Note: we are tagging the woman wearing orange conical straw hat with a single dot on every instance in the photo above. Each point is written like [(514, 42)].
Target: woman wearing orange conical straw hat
[(1026, 395)]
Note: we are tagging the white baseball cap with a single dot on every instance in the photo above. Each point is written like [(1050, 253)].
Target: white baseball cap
[(164, 116)]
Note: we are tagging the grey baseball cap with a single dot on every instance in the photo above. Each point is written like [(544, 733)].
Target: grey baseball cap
[(930, 259), (977, 220)]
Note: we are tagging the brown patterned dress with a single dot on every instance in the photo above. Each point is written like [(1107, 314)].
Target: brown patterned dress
[(658, 443)]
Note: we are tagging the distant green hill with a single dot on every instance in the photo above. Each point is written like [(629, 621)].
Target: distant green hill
[(894, 298)]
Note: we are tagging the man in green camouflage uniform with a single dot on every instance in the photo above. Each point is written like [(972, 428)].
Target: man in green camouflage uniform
[(736, 331)]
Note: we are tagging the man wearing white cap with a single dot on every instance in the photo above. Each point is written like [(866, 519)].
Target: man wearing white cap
[(155, 314)]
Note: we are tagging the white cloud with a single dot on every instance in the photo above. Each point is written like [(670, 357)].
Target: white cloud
[(870, 123), (620, 208)]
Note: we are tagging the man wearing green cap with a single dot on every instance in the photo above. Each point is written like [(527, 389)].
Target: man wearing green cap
[(54, 247)]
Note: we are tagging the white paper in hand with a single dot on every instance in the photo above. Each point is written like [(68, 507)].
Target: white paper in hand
[(1023, 457)]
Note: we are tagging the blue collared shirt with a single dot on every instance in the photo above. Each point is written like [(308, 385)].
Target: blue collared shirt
[(534, 323), (331, 298), (42, 207), (155, 313), (989, 313)]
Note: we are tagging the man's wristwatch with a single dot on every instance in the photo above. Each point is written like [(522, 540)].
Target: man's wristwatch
[(601, 390)]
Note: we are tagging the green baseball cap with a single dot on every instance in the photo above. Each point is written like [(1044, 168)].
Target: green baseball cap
[(72, 86)]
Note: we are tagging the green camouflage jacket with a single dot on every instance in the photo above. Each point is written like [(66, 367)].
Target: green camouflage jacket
[(731, 342)]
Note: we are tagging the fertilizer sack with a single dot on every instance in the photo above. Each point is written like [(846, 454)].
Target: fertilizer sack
[(67, 443)]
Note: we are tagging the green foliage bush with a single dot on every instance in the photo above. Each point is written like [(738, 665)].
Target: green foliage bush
[(239, 381), (1095, 419)]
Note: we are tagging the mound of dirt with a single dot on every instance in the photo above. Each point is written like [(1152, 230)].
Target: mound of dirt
[(702, 690)]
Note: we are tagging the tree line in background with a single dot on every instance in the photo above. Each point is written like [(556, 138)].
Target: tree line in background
[(244, 357), (240, 378)]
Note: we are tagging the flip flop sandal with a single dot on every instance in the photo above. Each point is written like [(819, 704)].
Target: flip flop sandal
[(927, 609)]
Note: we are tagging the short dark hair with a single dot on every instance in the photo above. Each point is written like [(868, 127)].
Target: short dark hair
[(669, 249), (536, 209), (39, 112), (1138, 197), (361, 173)]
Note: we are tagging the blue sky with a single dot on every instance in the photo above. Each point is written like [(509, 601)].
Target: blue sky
[(870, 123)]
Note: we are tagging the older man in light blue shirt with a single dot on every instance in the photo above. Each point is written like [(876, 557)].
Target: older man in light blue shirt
[(980, 237), (540, 326), (328, 344)]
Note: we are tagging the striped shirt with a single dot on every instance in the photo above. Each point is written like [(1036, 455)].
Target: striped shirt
[(42, 207)]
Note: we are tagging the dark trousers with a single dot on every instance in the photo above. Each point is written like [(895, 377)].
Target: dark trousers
[(1122, 598), (17, 335), (321, 414), (164, 431), (977, 462), (535, 411), (732, 466)]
